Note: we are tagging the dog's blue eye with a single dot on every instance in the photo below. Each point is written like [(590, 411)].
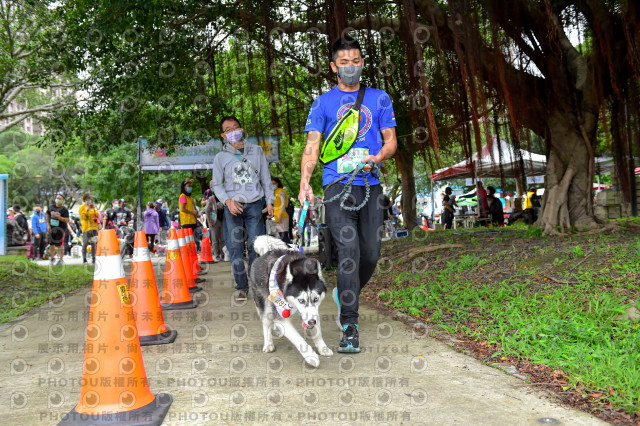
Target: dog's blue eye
[(315, 300), (301, 300)]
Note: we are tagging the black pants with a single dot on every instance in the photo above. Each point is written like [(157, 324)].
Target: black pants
[(151, 238), (357, 235), (39, 245), (447, 219)]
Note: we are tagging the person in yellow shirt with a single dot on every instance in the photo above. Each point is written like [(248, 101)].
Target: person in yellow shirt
[(188, 210), (280, 215), (89, 222), (531, 206)]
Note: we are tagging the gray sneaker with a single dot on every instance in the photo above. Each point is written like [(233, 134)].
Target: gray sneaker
[(52, 261), (60, 262)]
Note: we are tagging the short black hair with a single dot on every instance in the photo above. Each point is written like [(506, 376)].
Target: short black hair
[(277, 181), (491, 190), (345, 42), (229, 117)]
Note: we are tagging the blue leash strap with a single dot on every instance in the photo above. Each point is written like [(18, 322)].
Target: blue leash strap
[(303, 216)]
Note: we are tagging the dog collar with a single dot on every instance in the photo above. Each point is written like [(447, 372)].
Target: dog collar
[(283, 307)]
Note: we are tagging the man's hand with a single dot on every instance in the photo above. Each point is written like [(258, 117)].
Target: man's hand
[(55, 215), (306, 193), (235, 208), (367, 168), (269, 210), (37, 235)]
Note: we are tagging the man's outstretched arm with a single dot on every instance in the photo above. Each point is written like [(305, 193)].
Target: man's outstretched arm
[(308, 164)]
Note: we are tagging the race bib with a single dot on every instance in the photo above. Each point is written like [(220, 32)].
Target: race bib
[(54, 222), (348, 162), (42, 220)]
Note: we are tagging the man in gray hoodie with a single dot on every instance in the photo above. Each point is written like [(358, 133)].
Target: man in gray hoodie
[(241, 180)]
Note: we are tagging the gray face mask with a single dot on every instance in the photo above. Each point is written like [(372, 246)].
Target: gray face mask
[(350, 74)]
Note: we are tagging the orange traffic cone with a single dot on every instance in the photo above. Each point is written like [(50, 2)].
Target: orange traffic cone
[(186, 261), (146, 301), (205, 248), (114, 387), (197, 269), (175, 287), (191, 244), (194, 252)]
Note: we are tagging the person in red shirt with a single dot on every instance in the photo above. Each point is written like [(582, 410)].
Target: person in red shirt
[(484, 204)]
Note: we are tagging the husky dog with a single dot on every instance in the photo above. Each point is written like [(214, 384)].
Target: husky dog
[(302, 285)]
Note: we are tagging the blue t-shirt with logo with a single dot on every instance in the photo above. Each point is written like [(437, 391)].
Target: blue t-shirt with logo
[(376, 113)]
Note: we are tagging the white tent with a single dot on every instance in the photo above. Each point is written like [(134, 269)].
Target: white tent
[(493, 158)]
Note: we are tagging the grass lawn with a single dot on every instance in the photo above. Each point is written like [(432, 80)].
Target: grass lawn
[(542, 303), (25, 285)]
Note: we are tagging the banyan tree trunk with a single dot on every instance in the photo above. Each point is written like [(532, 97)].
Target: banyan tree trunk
[(405, 164), (568, 199)]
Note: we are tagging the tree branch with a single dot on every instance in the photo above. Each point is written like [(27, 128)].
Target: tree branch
[(39, 108), (10, 124), (296, 59), (377, 23)]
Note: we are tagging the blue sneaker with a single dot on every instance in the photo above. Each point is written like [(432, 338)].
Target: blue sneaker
[(337, 300), (350, 342)]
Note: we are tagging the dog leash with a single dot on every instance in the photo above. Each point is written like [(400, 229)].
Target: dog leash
[(346, 191)]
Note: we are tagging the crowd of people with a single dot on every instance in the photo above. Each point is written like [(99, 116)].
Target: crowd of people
[(491, 207), (57, 229)]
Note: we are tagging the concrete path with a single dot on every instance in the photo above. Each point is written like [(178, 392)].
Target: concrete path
[(218, 374)]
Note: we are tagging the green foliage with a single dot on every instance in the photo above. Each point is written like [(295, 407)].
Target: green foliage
[(569, 327), (24, 285), (115, 175), (533, 232), (6, 165), (577, 251), (23, 161), (29, 70)]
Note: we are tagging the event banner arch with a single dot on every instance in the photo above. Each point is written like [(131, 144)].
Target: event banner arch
[(198, 156)]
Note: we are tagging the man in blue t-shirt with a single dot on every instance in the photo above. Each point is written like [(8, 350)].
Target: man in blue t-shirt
[(357, 233)]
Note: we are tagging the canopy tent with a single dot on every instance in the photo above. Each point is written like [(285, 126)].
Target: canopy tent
[(494, 156), (604, 164)]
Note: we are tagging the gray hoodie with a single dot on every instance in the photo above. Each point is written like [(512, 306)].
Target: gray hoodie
[(233, 178)]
